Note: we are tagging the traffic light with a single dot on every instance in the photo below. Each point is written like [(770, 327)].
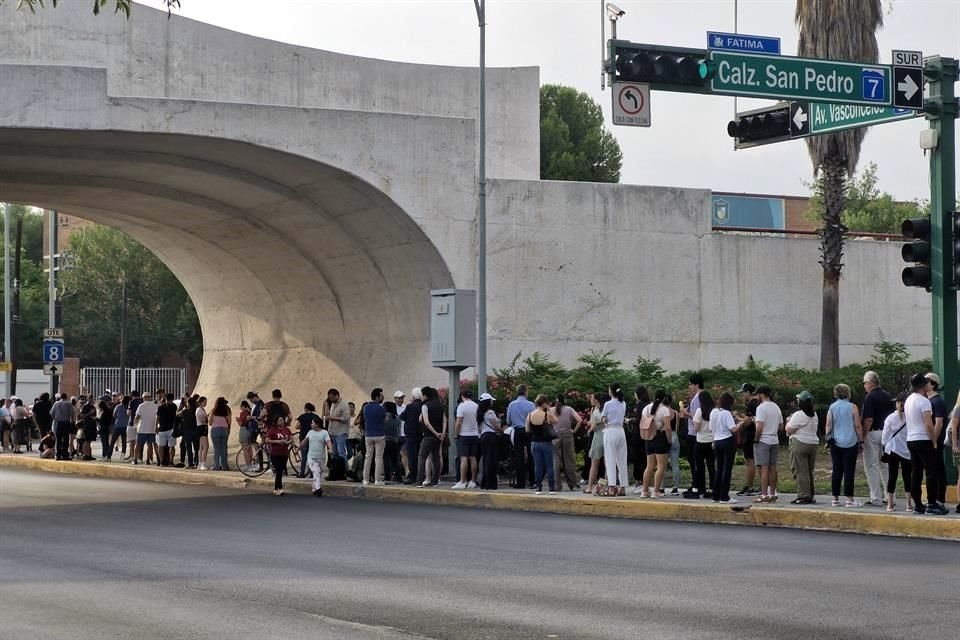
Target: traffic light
[(762, 126), (668, 68), (917, 252)]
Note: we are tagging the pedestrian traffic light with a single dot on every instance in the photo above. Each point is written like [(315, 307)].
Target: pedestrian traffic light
[(666, 68), (917, 252), (763, 126)]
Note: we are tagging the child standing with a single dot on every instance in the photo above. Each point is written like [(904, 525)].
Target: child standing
[(318, 443), (278, 443)]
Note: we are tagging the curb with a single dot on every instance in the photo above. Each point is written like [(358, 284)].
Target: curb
[(903, 525)]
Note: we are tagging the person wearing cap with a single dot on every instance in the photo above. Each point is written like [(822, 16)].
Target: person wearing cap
[(845, 436), (877, 406), (490, 429), (921, 436), (768, 419), (894, 439), (467, 432), (804, 444), (747, 433), (939, 409)]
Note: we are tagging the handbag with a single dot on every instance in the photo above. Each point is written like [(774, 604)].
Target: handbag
[(885, 457)]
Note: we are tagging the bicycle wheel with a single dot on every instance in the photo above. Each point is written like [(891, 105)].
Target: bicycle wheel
[(260, 461), (293, 460)]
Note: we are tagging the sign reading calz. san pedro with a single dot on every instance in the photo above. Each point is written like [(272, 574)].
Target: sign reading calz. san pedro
[(786, 77)]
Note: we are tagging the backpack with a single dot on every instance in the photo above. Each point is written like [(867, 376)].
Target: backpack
[(648, 427), (338, 469), (355, 472)]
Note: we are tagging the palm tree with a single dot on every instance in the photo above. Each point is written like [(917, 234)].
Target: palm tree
[(838, 30)]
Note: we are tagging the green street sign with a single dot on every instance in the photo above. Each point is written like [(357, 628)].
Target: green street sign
[(827, 118), (790, 78)]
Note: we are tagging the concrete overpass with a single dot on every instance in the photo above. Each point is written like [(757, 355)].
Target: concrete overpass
[(308, 201)]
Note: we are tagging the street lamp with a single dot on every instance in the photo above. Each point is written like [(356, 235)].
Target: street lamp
[(480, 6)]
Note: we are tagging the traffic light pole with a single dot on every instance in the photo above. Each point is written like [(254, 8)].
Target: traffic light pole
[(942, 114)]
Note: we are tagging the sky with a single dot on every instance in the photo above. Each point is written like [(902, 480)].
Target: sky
[(687, 144)]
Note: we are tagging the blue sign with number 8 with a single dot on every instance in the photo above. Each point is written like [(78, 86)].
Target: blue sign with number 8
[(53, 351)]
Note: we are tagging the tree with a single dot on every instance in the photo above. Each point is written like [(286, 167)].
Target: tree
[(33, 285), (574, 145), (160, 316), (121, 6), (836, 30), (867, 209)]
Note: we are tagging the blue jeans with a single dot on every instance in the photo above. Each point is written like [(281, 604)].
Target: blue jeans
[(219, 437), (542, 464), (340, 444), (675, 459)]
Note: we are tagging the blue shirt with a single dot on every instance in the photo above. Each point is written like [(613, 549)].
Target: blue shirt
[(841, 416), (374, 415), (939, 410), (517, 412)]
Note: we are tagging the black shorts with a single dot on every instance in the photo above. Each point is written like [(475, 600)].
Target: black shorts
[(468, 446), (659, 445), (747, 446)]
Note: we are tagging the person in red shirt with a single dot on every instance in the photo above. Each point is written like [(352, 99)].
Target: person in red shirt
[(278, 444)]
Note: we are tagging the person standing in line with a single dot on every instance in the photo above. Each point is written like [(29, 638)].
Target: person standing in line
[(490, 430), (642, 398), (674, 446), (766, 447), (220, 419), (61, 413), (699, 426), (336, 413), (612, 416), (355, 435), (318, 444), (391, 448), (541, 443), (41, 414), (877, 405), (467, 434), (400, 462), (21, 425), (411, 427), (278, 441), (145, 420), (954, 435), (595, 430), (245, 435), (105, 424), (694, 387), (939, 409), (894, 442), (305, 424), (747, 433), (659, 415), (921, 436), (190, 441), (723, 427), (804, 445), (433, 421), (565, 426), (374, 417), (203, 430), (120, 423), (517, 412), (87, 430), (844, 436), (166, 422)]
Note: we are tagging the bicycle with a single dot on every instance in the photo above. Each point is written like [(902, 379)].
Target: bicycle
[(261, 461)]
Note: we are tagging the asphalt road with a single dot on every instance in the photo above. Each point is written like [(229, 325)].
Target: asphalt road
[(85, 558)]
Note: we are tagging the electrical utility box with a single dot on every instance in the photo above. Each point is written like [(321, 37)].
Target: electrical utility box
[(453, 328)]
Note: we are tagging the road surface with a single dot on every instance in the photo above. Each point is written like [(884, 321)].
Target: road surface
[(86, 558)]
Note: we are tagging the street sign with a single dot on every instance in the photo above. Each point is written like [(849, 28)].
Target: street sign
[(6, 367), (828, 118), (52, 369), (903, 58), (799, 119), (631, 104), (743, 42), (908, 87), (786, 77), (53, 351), (55, 332)]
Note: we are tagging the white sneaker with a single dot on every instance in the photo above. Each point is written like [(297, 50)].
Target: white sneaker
[(366, 483), (380, 483), (202, 467), (471, 485), (731, 501), (553, 493), (853, 504), (459, 485), (425, 483), (539, 493), (637, 490)]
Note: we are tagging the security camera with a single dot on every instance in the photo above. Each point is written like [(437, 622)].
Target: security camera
[(614, 11)]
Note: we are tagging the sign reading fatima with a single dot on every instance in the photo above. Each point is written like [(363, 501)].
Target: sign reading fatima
[(799, 78), (743, 42)]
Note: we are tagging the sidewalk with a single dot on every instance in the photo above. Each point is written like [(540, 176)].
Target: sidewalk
[(871, 520)]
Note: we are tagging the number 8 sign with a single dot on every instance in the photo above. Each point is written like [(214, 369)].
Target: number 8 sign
[(53, 351)]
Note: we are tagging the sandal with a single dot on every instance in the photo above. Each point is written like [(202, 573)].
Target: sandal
[(588, 490)]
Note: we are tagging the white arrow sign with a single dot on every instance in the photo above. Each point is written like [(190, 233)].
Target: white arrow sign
[(799, 118), (908, 87)]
